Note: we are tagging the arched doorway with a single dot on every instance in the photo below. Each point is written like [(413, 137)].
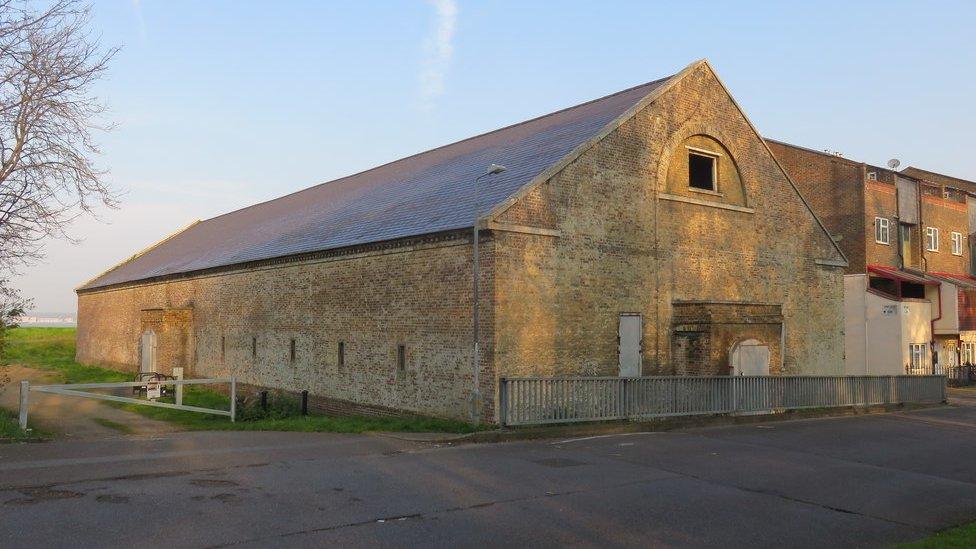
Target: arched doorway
[(750, 358)]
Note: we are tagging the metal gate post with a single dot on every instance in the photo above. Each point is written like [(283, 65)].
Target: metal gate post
[(24, 395), (233, 399), (503, 401), (178, 374)]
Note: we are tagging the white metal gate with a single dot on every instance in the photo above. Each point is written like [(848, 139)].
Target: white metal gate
[(75, 390)]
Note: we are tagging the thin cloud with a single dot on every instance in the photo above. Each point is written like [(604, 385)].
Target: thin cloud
[(137, 9), (438, 50)]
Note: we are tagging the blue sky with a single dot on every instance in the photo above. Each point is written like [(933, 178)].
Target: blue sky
[(222, 104)]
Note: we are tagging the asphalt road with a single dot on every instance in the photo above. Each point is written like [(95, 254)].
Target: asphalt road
[(841, 482)]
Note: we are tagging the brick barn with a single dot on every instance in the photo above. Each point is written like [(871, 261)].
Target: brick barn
[(649, 232)]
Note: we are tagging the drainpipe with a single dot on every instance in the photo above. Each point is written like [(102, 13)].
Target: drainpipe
[(925, 260), (864, 297), (925, 268), (934, 320), (475, 278), (782, 348), (657, 287), (901, 254)]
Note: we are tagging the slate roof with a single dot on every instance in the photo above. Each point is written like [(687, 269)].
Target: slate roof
[(426, 193)]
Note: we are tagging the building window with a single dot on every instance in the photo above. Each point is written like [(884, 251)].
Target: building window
[(702, 171), (916, 356), (967, 353), (291, 351), (401, 358), (882, 230), (956, 243), (341, 354), (931, 239), (223, 348), (254, 347)]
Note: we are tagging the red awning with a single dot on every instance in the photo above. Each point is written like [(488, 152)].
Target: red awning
[(961, 280), (900, 275)]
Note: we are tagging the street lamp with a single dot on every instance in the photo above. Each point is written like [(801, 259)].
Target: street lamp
[(476, 392)]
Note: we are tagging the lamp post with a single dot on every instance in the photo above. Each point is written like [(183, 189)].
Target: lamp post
[(475, 274)]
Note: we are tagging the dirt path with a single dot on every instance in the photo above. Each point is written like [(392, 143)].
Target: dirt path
[(71, 417)]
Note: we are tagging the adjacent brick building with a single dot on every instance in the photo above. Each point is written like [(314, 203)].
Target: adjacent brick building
[(908, 235), (647, 232)]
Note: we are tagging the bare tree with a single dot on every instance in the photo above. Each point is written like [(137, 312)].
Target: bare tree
[(12, 305), (48, 115)]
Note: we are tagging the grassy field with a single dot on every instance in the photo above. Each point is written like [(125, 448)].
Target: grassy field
[(53, 350), (954, 538)]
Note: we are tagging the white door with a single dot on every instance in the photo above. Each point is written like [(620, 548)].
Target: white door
[(629, 345), (147, 351), (750, 358)]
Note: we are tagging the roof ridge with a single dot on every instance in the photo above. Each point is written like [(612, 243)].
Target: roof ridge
[(414, 155)]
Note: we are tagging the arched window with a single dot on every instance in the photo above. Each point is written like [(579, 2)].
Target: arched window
[(702, 168)]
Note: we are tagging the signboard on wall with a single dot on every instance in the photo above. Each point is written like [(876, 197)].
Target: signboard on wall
[(889, 310)]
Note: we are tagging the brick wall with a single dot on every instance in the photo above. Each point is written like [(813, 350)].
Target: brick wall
[(173, 329), (849, 206), (948, 216), (880, 201), (416, 295), (834, 187), (622, 251)]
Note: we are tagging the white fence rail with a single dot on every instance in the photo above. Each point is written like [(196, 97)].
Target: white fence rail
[(76, 390), (537, 400)]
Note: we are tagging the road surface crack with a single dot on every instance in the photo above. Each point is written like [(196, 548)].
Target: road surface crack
[(421, 516)]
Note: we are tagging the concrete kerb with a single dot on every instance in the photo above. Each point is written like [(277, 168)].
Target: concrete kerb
[(511, 434)]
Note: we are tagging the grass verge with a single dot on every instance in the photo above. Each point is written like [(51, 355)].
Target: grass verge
[(53, 349), (954, 538), (10, 430)]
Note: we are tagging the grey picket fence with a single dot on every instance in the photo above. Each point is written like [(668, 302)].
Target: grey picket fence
[(541, 400)]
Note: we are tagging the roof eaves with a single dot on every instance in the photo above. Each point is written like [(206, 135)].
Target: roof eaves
[(138, 254)]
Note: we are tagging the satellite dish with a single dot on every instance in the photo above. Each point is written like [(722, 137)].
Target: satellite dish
[(894, 163)]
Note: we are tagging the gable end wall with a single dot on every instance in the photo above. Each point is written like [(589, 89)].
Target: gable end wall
[(559, 298)]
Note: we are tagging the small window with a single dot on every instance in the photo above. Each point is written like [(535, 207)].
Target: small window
[(967, 352), (702, 172), (291, 351), (341, 354), (223, 348), (882, 230), (916, 357), (401, 358), (932, 239), (872, 176), (254, 347), (956, 243)]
